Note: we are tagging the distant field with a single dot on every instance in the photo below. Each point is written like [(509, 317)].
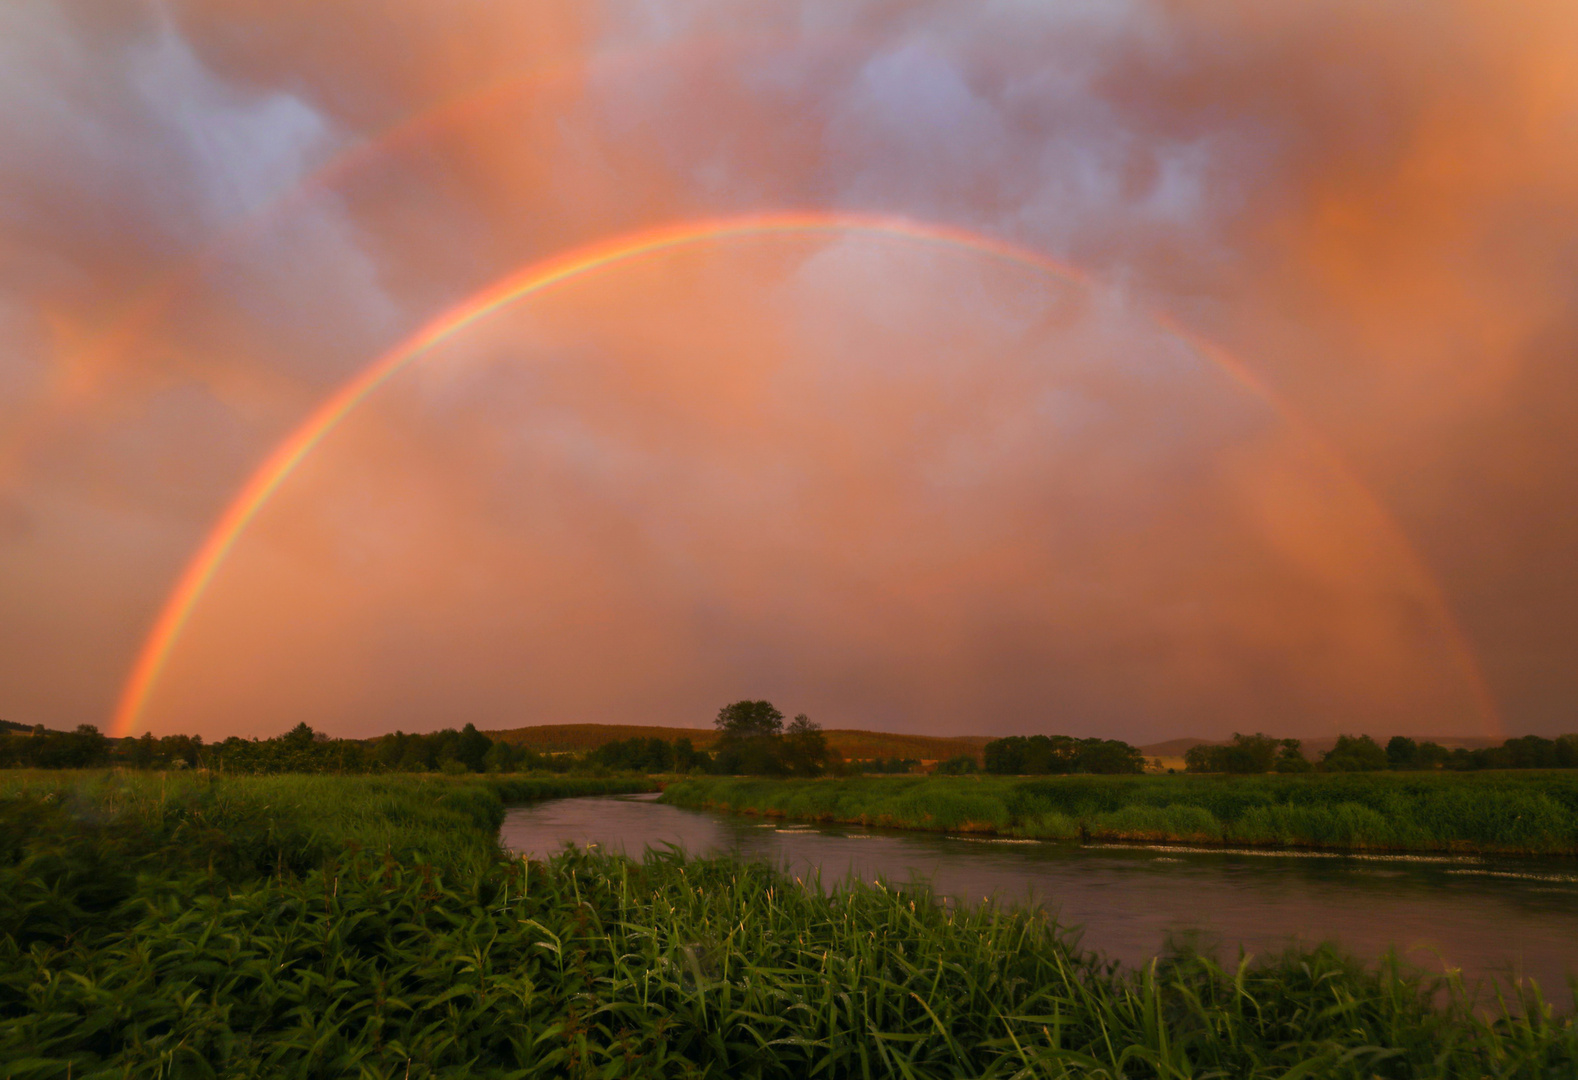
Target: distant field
[(1523, 812), (848, 743)]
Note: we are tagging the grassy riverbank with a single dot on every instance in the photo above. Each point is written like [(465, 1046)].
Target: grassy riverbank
[(322, 927), (293, 821), (1508, 812)]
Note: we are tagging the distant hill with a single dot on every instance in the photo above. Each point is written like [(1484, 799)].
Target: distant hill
[(848, 743), (579, 738), (851, 743)]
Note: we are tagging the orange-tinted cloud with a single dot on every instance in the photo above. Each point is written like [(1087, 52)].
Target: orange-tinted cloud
[(893, 494)]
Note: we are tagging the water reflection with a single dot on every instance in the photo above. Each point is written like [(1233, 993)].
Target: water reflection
[(1485, 917)]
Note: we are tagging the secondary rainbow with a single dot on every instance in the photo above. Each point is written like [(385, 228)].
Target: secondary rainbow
[(534, 278)]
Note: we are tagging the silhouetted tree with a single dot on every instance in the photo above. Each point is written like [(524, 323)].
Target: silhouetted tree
[(751, 736), (471, 748), (1041, 754), (1245, 754), (749, 719), (1291, 759), (805, 751), (1361, 754), (1402, 752), (687, 757)]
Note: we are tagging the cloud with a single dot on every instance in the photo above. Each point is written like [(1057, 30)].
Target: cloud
[(923, 491), (963, 493), (128, 157)]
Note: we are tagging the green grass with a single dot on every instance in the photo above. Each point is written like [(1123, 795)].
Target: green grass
[(1523, 812), (328, 927), (272, 823)]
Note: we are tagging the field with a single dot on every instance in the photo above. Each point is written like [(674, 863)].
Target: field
[(326, 927), (1495, 812), (845, 742)]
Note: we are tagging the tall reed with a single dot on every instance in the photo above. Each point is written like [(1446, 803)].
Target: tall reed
[(401, 955)]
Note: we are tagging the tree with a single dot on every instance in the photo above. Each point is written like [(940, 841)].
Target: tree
[(805, 751), (471, 748), (1290, 759), (1245, 754), (749, 719), (1041, 754), (1567, 751), (751, 739), (958, 765), (79, 749), (1108, 756), (1005, 757), (1402, 752), (687, 757), (144, 752), (1248, 754), (500, 758), (1431, 755), (1362, 754)]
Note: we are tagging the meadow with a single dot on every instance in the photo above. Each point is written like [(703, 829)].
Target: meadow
[(1523, 812), (369, 926)]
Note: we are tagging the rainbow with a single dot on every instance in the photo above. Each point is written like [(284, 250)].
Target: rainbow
[(582, 261)]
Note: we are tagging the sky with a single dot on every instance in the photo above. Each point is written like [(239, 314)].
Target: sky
[(1153, 369)]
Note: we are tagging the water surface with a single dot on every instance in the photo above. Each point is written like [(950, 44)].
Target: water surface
[(1486, 917)]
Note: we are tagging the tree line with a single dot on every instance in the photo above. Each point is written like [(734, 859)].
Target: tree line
[(753, 739), (299, 750), (1260, 753), (1019, 755)]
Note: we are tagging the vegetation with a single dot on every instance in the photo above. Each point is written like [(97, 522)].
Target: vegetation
[(1261, 753), (1250, 754), (1528, 813), (844, 743), (752, 740), (888, 766), (43, 749), (330, 926), (582, 738), (649, 756), (300, 750), (962, 765), (1043, 754), (1528, 752)]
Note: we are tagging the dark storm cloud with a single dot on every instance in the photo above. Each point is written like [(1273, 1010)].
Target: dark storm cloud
[(1373, 206)]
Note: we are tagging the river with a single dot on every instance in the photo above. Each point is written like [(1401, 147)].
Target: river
[(1487, 917)]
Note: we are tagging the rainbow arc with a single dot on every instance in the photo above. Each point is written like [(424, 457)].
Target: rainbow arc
[(583, 261)]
